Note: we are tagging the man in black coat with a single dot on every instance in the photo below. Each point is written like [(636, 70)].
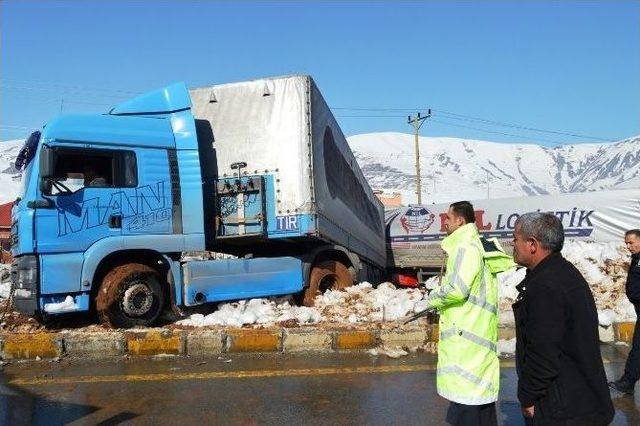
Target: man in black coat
[(561, 378), (627, 382)]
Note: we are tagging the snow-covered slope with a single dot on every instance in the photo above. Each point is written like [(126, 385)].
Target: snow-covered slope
[(9, 177), (454, 169)]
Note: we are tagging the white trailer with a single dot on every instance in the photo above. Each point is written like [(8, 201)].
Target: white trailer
[(282, 130)]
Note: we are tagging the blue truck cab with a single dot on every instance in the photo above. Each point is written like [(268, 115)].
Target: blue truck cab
[(111, 202)]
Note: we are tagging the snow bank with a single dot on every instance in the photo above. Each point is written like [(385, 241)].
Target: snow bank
[(603, 266), (255, 311), (363, 303), (5, 280), (68, 305), (390, 352), (358, 304), (507, 346)]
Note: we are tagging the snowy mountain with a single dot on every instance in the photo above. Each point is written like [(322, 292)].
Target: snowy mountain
[(9, 176), (455, 169)]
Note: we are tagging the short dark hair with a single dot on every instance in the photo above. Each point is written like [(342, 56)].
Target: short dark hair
[(544, 227), (635, 232), (464, 209)]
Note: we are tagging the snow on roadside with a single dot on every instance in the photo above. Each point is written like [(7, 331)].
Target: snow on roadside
[(604, 266), (5, 280), (358, 304), (67, 305), (255, 311), (507, 346)]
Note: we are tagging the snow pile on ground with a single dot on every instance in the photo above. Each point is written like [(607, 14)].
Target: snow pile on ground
[(604, 266), (363, 303), (507, 346), (357, 304), (5, 280), (397, 351), (68, 305), (606, 317), (390, 352), (255, 311)]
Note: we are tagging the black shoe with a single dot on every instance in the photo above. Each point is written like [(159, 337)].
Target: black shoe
[(623, 386)]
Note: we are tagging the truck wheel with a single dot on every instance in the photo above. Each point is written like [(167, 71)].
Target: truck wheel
[(326, 275), (130, 295)]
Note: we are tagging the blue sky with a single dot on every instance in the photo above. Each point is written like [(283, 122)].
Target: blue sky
[(570, 67)]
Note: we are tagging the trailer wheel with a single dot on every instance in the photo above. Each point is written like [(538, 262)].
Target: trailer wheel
[(130, 295), (326, 275)]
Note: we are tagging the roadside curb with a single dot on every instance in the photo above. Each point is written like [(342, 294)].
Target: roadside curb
[(76, 344), (207, 342), (31, 346), (623, 331)]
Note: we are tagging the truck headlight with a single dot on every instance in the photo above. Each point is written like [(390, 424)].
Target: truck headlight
[(25, 275), (26, 278)]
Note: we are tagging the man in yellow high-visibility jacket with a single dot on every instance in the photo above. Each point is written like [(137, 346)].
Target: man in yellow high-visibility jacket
[(467, 301)]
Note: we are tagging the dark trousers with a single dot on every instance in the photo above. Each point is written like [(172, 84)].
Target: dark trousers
[(472, 415), (632, 368)]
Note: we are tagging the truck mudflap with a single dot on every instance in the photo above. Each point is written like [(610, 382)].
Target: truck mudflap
[(233, 279)]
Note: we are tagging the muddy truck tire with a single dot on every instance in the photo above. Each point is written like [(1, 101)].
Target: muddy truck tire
[(130, 295), (326, 275)]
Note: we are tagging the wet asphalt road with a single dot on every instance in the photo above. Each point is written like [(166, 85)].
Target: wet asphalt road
[(349, 389)]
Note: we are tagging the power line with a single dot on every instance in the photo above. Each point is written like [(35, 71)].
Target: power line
[(14, 127), (463, 117), (494, 131), (469, 118), (370, 116), (75, 90), (375, 109), (72, 87)]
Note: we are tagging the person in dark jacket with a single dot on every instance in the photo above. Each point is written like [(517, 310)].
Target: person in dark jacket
[(627, 382), (561, 378)]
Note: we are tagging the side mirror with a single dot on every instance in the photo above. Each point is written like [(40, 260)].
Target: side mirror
[(40, 204), (47, 162)]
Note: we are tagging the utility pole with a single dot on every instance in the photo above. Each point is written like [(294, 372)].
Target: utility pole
[(416, 122)]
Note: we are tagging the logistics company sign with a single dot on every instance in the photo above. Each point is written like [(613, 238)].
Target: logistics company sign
[(415, 224), (142, 208)]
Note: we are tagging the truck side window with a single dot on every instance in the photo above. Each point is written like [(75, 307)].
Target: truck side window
[(78, 168)]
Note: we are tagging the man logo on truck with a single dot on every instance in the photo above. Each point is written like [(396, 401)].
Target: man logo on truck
[(76, 216)]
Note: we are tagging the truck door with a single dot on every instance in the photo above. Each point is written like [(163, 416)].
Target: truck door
[(88, 190), (147, 208)]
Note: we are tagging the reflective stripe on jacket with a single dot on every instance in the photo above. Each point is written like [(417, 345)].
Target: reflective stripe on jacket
[(467, 300)]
